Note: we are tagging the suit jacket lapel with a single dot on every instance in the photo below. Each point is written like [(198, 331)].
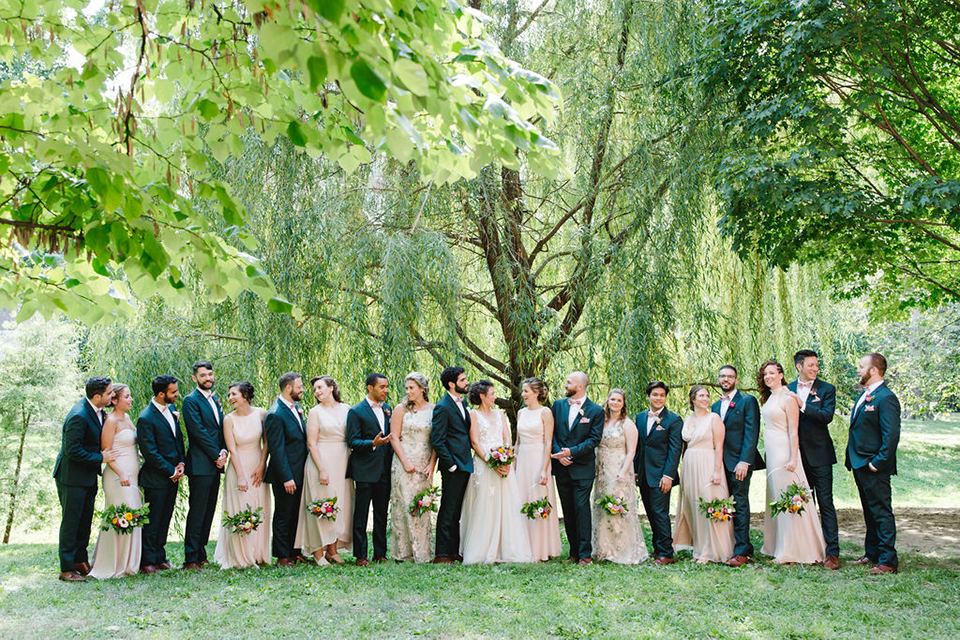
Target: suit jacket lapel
[(729, 408), (644, 419), (92, 416), (565, 416)]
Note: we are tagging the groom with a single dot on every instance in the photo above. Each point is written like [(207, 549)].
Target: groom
[(872, 456), (368, 436), (740, 413), (78, 465), (450, 437), (578, 427)]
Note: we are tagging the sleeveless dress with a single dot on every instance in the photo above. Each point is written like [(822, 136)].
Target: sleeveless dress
[(118, 554), (410, 536), (314, 533), (234, 550), (492, 529), (710, 541), (616, 538), (788, 537), (544, 532)]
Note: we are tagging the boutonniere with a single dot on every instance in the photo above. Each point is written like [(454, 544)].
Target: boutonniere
[(176, 414), (386, 412), (732, 404), (869, 398), (813, 391), (581, 412)]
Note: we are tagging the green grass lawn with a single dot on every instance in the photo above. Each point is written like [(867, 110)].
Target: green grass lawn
[(550, 599)]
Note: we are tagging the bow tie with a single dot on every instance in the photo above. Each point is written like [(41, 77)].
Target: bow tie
[(653, 414), (575, 402), (725, 398), (376, 405), (805, 385), (458, 400)]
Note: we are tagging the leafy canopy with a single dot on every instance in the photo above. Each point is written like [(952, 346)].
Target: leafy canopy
[(110, 121)]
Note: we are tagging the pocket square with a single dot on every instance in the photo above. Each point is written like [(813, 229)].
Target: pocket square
[(584, 420), (869, 407), (659, 428), (814, 399)]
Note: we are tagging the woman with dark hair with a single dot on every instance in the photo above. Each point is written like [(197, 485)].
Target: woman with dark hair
[(617, 538), (788, 537), (702, 476), (244, 487), (493, 526), (118, 554), (325, 476), (534, 438), (412, 470)]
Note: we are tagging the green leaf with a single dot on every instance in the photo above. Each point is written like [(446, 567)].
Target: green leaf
[(368, 81), (329, 9), (208, 109), (412, 75), (279, 305), (317, 67), (296, 134)]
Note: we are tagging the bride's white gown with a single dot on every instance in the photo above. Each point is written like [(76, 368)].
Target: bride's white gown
[(492, 529)]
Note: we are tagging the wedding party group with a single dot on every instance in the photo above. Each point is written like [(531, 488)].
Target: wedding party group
[(320, 472)]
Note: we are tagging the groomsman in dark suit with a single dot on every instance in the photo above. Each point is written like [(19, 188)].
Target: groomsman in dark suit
[(285, 428), (450, 437), (76, 471), (656, 461), (818, 401), (161, 445), (740, 413), (578, 427), (203, 419), (872, 456), (368, 436)]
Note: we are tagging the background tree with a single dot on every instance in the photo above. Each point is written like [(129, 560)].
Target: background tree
[(843, 140), (40, 380)]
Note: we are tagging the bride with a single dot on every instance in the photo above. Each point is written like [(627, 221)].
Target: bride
[(492, 527)]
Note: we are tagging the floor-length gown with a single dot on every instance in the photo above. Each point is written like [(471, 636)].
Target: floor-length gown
[(492, 529), (410, 535), (616, 538), (118, 554), (544, 532), (709, 540), (314, 533), (236, 550), (788, 537)]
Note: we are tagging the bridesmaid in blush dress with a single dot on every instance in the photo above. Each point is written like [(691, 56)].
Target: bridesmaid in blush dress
[(412, 470), (243, 486), (324, 476), (617, 538), (701, 475), (118, 554), (534, 438), (788, 537)]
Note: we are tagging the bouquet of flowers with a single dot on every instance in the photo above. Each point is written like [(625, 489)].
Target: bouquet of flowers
[(243, 522), (537, 509), (501, 456), (718, 509), (613, 506), (793, 499), (124, 519), (324, 508), (425, 502)]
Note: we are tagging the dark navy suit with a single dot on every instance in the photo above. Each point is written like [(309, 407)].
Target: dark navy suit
[(658, 455), (369, 467)]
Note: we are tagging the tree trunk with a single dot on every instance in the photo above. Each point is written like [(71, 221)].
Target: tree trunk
[(16, 480)]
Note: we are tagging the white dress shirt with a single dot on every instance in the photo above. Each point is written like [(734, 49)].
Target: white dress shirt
[(213, 405), (377, 411), (866, 392), (725, 404), (575, 407), (97, 410), (293, 407), (652, 419), (164, 409), (463, 412), (803, 392)]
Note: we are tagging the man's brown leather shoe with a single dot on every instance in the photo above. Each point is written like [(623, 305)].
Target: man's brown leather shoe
[(663, 561), (204, 563), (164, 566), (363, 562), (83, 568), (286, 562), (442, 560), (458, 558), (864, 560), (71, 576), (302, 559), (192, 566), (881, 569), (148, 568), (737, 561), (585, 561), (379, 559), (570, 560), (831, 562)]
